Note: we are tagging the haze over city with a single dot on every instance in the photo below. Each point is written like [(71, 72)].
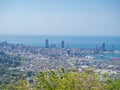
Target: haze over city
[(60, 17)]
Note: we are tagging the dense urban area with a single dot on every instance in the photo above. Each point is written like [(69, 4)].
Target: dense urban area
[(18, 60)]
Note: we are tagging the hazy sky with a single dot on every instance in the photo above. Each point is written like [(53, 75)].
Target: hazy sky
[(60, 17)]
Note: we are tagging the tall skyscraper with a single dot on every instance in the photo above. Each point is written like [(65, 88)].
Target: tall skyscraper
[(103, 46), (62, 44), (46, 43)]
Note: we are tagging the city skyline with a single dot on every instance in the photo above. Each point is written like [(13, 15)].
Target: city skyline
[(73, 17)]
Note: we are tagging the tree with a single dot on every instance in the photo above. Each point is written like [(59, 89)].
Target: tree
[(68, 81), (19, 85)]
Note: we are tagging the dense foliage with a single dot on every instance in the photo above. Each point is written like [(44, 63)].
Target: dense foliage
[(65, 80), (7, 62)]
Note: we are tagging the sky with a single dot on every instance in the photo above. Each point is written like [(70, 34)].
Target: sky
[(60, 17)]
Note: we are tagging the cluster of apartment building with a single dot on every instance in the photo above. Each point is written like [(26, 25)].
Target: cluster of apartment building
[(37, 58)]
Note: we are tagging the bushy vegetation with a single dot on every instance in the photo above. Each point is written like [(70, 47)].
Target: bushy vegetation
[(7, 62), (65, 80)]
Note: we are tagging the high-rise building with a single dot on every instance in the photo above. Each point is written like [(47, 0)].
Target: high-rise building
[(62, 44), (103, 46), (46, 43)]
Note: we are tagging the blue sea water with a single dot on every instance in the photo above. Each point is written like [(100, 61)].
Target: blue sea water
[(88, 42)]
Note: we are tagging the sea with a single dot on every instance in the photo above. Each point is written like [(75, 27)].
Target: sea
[(82, 42)]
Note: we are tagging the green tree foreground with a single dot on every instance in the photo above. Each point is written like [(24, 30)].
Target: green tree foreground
[(65, 80)]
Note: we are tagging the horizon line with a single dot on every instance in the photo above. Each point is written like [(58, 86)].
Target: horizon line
[(49, 35)]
